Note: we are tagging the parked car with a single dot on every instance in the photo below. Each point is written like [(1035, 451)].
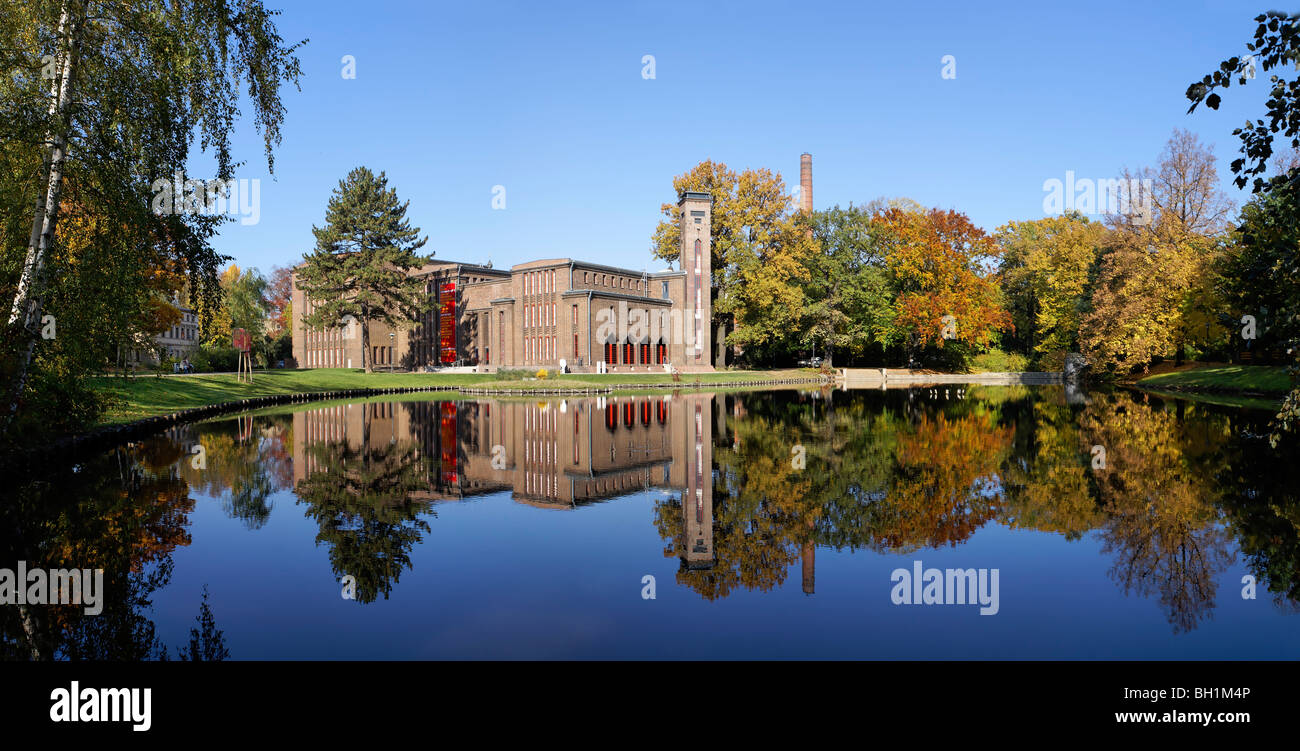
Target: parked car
[(811, 362)]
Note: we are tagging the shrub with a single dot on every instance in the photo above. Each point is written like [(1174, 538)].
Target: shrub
[(997, 361), (541, 374), (1052, 362), (208, 359)]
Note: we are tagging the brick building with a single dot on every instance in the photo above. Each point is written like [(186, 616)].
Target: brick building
[(541, 314), (177, 342)]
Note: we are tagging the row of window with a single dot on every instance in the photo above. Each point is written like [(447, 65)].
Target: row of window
[(617, 282), (543, 315), (539, 349), (326, 358), (539, 282), (630, 413), (635, 354), (182, 332)]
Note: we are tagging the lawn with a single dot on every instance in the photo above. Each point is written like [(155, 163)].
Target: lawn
[(1265, 379), (148, 396), (538, 385)]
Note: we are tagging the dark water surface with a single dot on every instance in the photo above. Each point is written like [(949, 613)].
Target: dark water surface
[(1117, 526)]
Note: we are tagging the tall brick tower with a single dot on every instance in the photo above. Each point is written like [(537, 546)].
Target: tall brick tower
[(696, 213), (805, 183)]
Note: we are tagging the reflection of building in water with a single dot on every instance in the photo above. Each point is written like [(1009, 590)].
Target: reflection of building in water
[(555, 453)]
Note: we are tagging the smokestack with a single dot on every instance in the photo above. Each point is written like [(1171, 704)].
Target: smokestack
[(805, 182)]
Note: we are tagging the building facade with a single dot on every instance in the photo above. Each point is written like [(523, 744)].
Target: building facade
[(176, 342), (551, 313)]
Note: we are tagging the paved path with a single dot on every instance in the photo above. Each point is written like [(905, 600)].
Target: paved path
[(893, 377)]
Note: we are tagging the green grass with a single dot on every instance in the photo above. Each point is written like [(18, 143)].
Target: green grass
[(1266, 379), (149, 396), (538, 384), (1222, 400), (997, 361), (145, 397)]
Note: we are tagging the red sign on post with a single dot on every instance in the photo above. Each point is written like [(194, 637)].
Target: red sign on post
[(241, 340)]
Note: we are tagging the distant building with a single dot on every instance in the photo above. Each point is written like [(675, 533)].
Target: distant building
[(177, 342), (537, 313)]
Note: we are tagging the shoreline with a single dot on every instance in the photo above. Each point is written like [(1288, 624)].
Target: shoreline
[(107, 434)]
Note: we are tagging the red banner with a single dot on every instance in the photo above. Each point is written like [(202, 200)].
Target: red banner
[(240, 340), (447, 322), (449, 447)]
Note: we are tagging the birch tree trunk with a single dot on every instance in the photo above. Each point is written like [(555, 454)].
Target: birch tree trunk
[(28, 299)]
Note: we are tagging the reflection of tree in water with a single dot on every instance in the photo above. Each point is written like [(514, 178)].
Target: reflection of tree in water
[(1260, 489), (945, 483), (247, 460), (897, 479), (123, 512), (873, 478), (749, 548), (362, 499), (1161, 523), (1047, 477)]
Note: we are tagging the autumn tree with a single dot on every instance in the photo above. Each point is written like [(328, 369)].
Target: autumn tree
[(1150, 300), (939, 266), (1047, 266), (1136, 307), (279, 298), (1185, 195), (362, 261)]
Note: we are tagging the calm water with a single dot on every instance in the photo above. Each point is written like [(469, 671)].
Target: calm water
[(1118, 526)]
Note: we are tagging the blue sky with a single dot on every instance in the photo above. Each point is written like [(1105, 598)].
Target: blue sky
[(547, 99)]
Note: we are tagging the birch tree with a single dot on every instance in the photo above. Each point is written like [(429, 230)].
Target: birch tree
[(111, 95)]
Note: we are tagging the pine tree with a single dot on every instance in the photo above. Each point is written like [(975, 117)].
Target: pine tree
[(362, 258)]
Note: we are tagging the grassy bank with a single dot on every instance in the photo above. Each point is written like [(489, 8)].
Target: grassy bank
[(1266, 380), (148, 396)]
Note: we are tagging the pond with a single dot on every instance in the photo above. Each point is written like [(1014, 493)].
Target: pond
[(924, 523)]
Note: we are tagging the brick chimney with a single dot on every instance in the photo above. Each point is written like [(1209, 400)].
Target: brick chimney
[(805, 183)]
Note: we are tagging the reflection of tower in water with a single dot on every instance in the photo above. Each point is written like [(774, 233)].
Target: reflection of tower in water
[(697, 501)]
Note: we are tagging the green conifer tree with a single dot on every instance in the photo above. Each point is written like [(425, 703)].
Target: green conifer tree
[(362, 260)]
